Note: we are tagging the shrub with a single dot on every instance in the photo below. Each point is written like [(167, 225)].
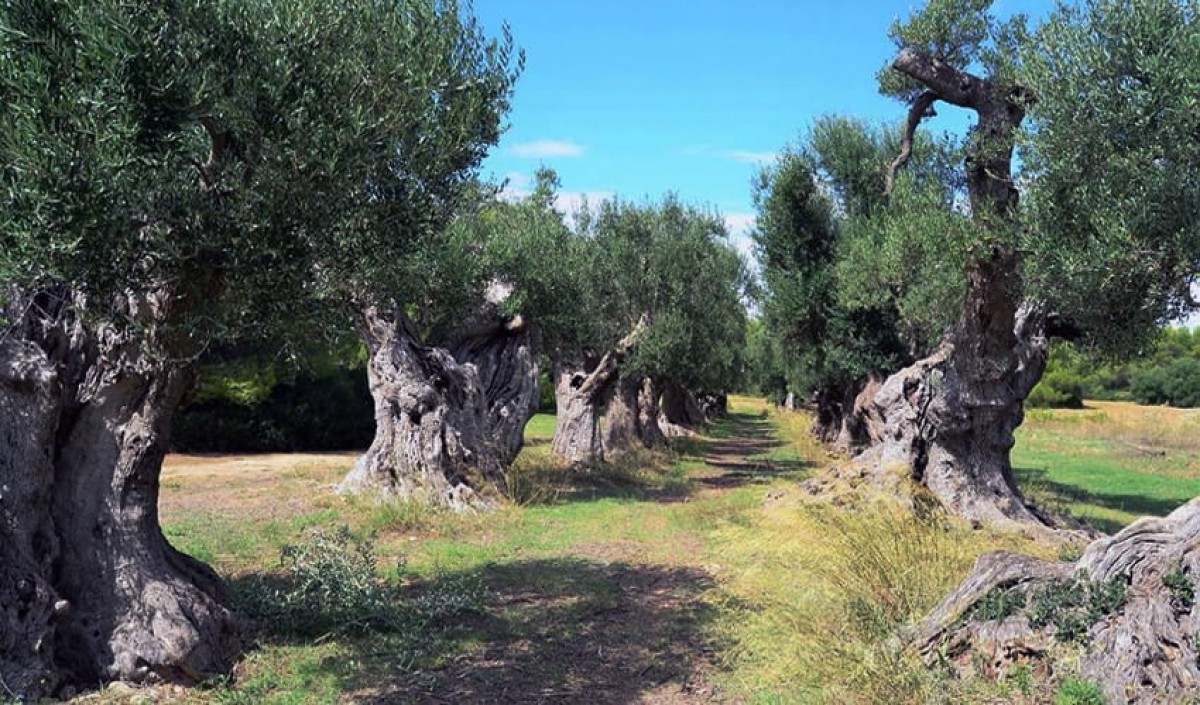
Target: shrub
[(1059, 389), (1078, 691), (1176, 384), (330, 584), (324, 410)]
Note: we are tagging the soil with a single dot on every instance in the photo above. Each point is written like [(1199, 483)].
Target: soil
[(603, 626)]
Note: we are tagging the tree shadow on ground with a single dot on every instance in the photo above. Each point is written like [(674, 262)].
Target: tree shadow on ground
[(735, 451), (740, 451), (1057, 496), (558, 630)]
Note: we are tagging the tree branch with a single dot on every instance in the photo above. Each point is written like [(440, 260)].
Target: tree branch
[(948, 83), (610, 364), (921, 108)]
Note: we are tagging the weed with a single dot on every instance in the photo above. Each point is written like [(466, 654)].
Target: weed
[(1183, 592), (331, 585), (1021, 677), (534, 479), (1105, 598), (1072, 606), (998, 603), (1078, 691)]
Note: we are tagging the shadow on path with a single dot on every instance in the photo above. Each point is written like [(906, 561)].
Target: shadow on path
[(556, 630), (739, 452)]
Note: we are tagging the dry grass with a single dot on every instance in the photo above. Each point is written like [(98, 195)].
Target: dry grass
[(817, 595), (1149, 428)]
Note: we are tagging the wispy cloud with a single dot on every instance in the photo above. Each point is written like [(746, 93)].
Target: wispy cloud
[(750, 157), (739, 224), (738, 155), (547, 149)]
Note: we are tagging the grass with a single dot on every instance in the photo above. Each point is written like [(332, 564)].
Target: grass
[(1110, 463), (705, 574)]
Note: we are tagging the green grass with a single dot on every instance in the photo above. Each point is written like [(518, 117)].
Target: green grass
[(1069, 462), (617, 582)]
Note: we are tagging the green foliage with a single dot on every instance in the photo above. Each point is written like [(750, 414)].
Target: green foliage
[(1114, 202), (261, 158), (1176, 384), (1057, 390), (1073, 606), (854, 281), (331, 584), (254, 403), (672, 263), (1182, 589), (1079, 691), (997, 604)]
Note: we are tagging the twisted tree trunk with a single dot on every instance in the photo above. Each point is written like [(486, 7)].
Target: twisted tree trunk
[(583, 392), (949, 418), (1128, 604), (681, 412), (630, 419), (446, 424), (97, 592)]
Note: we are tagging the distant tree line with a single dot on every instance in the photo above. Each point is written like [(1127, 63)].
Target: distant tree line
[(1168, 375)]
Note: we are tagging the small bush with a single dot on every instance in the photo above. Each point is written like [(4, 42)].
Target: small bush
[(1176, 383), (331, 585), (1078, 691), (1183, 592), (998, 604), (1059, 389)]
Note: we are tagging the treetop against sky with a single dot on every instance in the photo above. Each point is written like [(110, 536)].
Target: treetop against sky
[(690, 96)]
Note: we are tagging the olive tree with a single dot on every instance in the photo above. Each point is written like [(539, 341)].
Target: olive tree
[(662, 305), (176, 174)]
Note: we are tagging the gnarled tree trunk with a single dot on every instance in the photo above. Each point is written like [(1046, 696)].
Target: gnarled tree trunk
[(583, 392), (847, 417), (949, 418), (630, 419), (446, 425), (681, 412), (578, 398), (1129, 604), (100, 594)]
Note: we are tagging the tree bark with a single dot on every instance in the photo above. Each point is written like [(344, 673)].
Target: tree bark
[(681, 412), (100, 593), (1140, 645), (583, 393), (949, 418), (578, 397), (630, 419), (847, 418), (446, 425)]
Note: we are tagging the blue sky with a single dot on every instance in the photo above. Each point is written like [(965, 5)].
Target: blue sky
[(638, 98)]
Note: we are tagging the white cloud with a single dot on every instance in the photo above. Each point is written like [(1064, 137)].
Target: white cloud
[(547, 149), (570, 203), (742, 155), (739, 224)]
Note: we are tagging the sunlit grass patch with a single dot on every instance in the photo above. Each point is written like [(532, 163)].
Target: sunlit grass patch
[(815, 598), (1110, 464)]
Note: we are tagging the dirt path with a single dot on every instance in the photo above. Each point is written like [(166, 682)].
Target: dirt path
[(604, 625), (620, 613)]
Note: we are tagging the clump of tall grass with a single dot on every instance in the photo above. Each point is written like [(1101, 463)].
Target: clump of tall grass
[(820, 595)]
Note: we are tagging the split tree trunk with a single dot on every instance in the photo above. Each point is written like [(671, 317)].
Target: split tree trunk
[(1129, 604), (99, 593), (630, 420), (583, 393), (578, 397), (949, 418), (681, 412), (847, 417), (446, 425)]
